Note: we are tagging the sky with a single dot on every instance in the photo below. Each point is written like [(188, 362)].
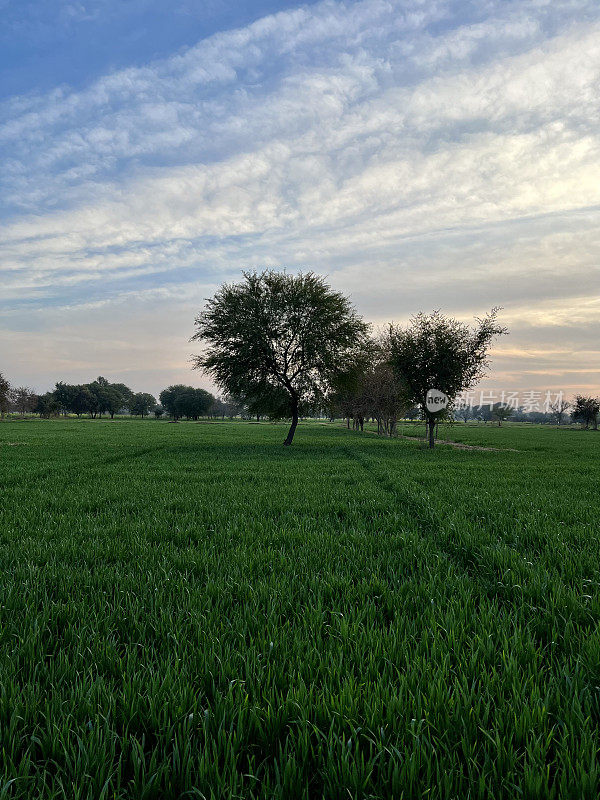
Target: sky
[(435, 154)]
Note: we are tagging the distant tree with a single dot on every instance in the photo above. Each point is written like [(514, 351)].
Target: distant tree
[(63, 393), (234, 406), (186, 401), (169, 400), (5, 395), (141, 404), (111, 397), (276, 332), (83, 400), (539, 417), (125, 394), (464, 411), (100, 388), (23, 399), (371, 390), (502, 413), (438, 352), (269, 401), (196, 403), (46, 405), (586, 411), (158, 411), (559, 409), (484, 414), (97, 397)]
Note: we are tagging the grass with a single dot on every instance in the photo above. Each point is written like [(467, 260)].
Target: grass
[(193, 611)]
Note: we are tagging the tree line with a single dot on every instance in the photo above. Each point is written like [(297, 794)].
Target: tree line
[(290, 346), (287, 346), (100, 397)]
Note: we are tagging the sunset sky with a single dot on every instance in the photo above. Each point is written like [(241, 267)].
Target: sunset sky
[(422, 155)]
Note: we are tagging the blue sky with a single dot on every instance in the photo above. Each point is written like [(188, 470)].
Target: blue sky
[(440, 154)]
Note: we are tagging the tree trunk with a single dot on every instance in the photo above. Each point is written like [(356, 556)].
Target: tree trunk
[(431, 421), (292, 430)]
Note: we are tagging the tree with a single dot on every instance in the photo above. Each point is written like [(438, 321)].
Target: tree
[(502, 413), (46, 405), (23, 399), (485, 414), (586, 411), (464, 411), (63, 393), (371, 389), (186, 401), (275, 333), (438, 352), (97, 397), (158, 411), (141, 404), (559, 408), (125, 394), (195, 403), (234, 406), (83, 401), (112, 396), (5, 395), (169, 397)]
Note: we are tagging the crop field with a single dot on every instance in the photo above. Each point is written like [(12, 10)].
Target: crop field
[(192, 611)]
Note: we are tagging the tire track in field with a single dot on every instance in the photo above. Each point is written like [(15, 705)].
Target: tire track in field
[(466, 559), (56, 470), (424, 514)]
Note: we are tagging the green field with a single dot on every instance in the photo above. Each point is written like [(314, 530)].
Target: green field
[(194, 611)]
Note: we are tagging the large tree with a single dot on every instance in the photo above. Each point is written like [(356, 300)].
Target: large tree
[(437, 352), (274, 333)]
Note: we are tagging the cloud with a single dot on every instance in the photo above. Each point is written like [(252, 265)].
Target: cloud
[(423, 155)]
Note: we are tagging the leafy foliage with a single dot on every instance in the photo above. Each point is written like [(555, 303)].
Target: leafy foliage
[(438, 352), (142, 404), (278, 340), (501, 413), (586, 411), (186, 401)]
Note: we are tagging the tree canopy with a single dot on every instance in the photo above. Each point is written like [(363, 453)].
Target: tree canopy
[(438, 352), (142, 404), (186, 401), (275, 336)]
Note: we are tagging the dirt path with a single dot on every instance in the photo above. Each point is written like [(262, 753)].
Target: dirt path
[(461, 446)]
